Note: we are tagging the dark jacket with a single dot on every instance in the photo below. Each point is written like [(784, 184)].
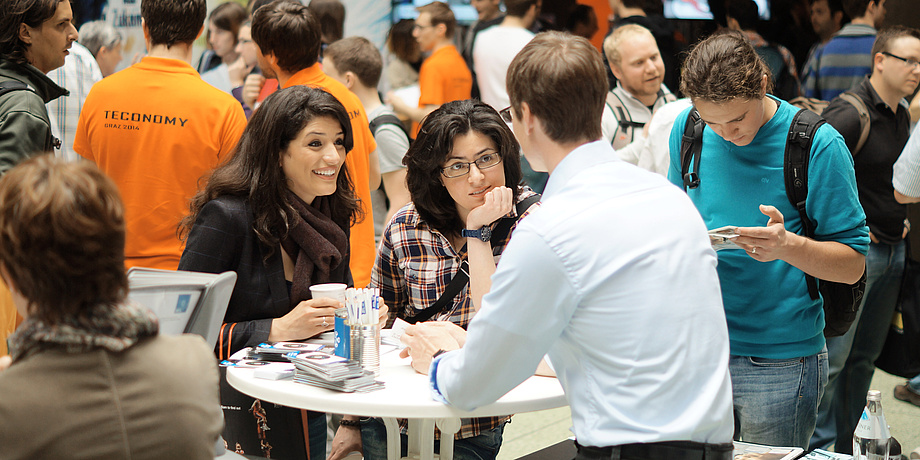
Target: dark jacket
[(223, 239), (25, 129)]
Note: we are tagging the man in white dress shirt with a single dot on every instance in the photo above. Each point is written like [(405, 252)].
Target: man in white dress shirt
[(496, 47), (613, 279)]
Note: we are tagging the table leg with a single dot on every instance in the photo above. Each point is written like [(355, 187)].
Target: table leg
[(424, 439), (448, 427), (393, 441)]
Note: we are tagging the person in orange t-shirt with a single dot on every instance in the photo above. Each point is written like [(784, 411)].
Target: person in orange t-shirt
[(444, 76), (288, 37), (156, 129)]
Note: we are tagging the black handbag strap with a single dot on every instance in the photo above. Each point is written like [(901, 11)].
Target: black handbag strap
[(462, 278)]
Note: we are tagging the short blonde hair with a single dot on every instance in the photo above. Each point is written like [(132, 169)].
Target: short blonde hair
[(619, 35)]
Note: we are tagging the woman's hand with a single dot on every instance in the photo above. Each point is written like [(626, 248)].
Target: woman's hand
[(457, 332), (307, 319), (5, 362), (498, 203), (384, 313)]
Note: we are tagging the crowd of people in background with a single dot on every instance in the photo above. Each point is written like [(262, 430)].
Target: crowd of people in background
[(295, 152)]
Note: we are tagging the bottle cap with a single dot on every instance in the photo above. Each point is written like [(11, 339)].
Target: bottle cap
[(874, 395)]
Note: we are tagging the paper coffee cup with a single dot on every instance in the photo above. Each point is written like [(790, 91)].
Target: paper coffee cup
[(332, 290)]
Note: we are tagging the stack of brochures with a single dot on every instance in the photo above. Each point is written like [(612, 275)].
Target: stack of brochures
[(326, 370), (282, 351)]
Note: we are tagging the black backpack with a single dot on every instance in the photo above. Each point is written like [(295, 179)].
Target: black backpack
[(841, 300)]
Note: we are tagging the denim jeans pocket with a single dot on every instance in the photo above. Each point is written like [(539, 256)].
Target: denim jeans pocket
[(775, 363)]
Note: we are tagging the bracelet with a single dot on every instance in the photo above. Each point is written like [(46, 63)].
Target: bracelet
[(351, 423)]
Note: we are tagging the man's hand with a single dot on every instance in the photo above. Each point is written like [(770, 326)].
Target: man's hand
[(5, 362), (347, 440), (252, 86), (497, 203), (457, 332), (765, 243), (422, 342)]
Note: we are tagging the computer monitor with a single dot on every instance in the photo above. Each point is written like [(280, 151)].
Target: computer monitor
[(699, 9), (463, 10)]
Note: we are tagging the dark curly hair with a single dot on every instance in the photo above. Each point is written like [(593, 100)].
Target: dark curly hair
[(432, 148), (254, 171)]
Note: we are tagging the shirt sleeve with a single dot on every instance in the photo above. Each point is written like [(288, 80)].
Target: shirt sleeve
[(387, 275), (431, 87), (906, 178), (392, 145), (233, 130), (833, 200), (677, 133), (529, 306)]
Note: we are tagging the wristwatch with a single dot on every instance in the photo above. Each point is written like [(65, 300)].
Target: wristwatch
[(484, 233)]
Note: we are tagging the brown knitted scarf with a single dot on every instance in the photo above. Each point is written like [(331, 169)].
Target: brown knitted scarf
[(316, 243)]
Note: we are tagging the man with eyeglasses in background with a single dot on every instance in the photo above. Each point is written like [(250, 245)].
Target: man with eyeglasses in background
[(444, 76), (895, 74)]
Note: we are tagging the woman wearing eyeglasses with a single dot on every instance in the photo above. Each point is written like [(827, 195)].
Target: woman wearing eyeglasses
[(463, 172)]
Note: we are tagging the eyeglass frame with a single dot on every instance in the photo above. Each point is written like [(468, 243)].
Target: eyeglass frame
[(909, 62), (506, 114), (469, 165)]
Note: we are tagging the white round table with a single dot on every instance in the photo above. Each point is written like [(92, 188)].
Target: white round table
[(407, 395)]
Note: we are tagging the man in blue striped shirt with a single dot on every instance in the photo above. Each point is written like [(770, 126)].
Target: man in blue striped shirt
[(847, 57)]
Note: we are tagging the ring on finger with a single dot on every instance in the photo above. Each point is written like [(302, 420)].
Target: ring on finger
[(754, 250), (324, 322)]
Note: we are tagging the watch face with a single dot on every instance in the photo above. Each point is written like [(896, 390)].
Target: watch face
[(485, 233)]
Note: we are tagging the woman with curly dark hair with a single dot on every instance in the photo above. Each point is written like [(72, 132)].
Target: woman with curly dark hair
[(463, 175)]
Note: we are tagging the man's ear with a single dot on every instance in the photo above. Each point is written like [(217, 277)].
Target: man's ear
[(350, 79), (25, 34), (199, 32), (615, 69), (146, 33), (528, 120), (442, 30)]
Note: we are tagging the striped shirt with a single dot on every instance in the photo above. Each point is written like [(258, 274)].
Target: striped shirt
[(415, 263), (841, 63)]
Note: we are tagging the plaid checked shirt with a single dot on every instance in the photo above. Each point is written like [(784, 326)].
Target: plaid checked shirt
[(414, 265)]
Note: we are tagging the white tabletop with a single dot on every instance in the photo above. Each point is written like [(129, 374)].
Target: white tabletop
[(407, 395)]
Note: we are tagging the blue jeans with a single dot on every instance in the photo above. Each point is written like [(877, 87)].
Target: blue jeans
[(482, 447), (884, 270), (776, 400)]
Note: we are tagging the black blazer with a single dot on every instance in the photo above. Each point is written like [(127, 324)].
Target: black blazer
[(222, 239)]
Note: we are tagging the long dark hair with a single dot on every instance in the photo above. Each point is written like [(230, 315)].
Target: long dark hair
[(254, 170), (433, 146)]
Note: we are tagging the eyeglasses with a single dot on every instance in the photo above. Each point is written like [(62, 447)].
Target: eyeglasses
[(420, 27), (506, 114), (909, 62), (463, 168)]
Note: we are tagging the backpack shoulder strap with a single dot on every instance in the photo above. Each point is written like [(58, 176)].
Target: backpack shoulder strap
[(864, 124), (795, 171), (691, 146), (386, 119)]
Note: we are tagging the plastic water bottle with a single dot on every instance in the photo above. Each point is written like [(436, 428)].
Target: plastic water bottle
[(871, 437)]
